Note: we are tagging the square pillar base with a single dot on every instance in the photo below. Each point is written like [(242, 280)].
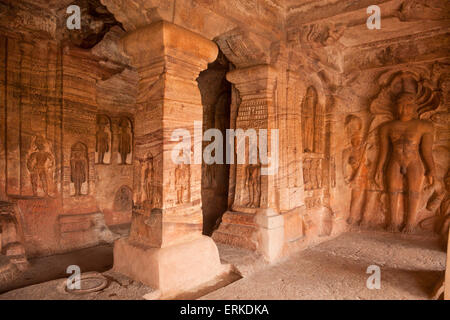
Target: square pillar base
[(172, 270)]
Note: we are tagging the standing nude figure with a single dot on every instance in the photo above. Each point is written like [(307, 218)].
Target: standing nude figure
[(38, 164), (411, 158), (252, 182), (182, 180), (78, 166), (124, 141), (102, 143)]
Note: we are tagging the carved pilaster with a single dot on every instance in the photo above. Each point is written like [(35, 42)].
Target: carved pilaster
[(256, 86)]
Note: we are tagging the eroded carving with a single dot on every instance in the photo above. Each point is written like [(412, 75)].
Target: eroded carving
[(103, 139), (253, 184), (125, 141), (123, 199), (355, 167), (182, 181), (79, 168), (40, 163)]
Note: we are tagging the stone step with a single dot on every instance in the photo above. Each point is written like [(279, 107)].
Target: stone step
[(234, 240), (239, 218)]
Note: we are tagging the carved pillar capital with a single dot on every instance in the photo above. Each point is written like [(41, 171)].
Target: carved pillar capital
[(254, 82), (169, 45)]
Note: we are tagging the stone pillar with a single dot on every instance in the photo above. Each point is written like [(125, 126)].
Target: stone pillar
[(166, 249), (249, 225)]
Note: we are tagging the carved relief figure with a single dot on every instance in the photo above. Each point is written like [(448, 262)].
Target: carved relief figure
[(309, 106), (78, 167), (102, 145), (440, 203), (123, 199), (125, 140), (148, 178), (39, 162), (411, 159), (182, 182), (253, 184), (333, 172), (307, 174), (316, 173), (355, 168)]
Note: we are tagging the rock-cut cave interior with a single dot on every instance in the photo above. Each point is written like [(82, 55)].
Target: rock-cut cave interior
[(224, 150)]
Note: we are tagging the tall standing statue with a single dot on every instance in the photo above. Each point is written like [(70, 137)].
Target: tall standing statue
[(102, 142), (38, 163), (411, 160), (124, 141), (355, 168), (78, 166)]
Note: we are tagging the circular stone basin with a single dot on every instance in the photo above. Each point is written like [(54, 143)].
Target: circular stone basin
[(89, 282)]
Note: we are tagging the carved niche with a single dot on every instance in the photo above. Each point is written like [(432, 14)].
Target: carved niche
[(313, 140), (79, 169), (103, 140)]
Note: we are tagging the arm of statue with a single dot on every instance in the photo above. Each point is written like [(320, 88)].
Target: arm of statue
[(384, 145), (427, 154)]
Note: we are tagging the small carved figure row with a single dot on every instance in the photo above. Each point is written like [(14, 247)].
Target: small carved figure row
[(312, 174), (104, 141)]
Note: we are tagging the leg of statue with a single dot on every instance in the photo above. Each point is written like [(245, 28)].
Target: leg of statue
[(77, 188), (255, 195), (43, 176), (395, 186), (250, 194), (34, 182), (414, 179)]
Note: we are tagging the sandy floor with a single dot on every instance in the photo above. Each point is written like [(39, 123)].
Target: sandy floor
[(409, 265)]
